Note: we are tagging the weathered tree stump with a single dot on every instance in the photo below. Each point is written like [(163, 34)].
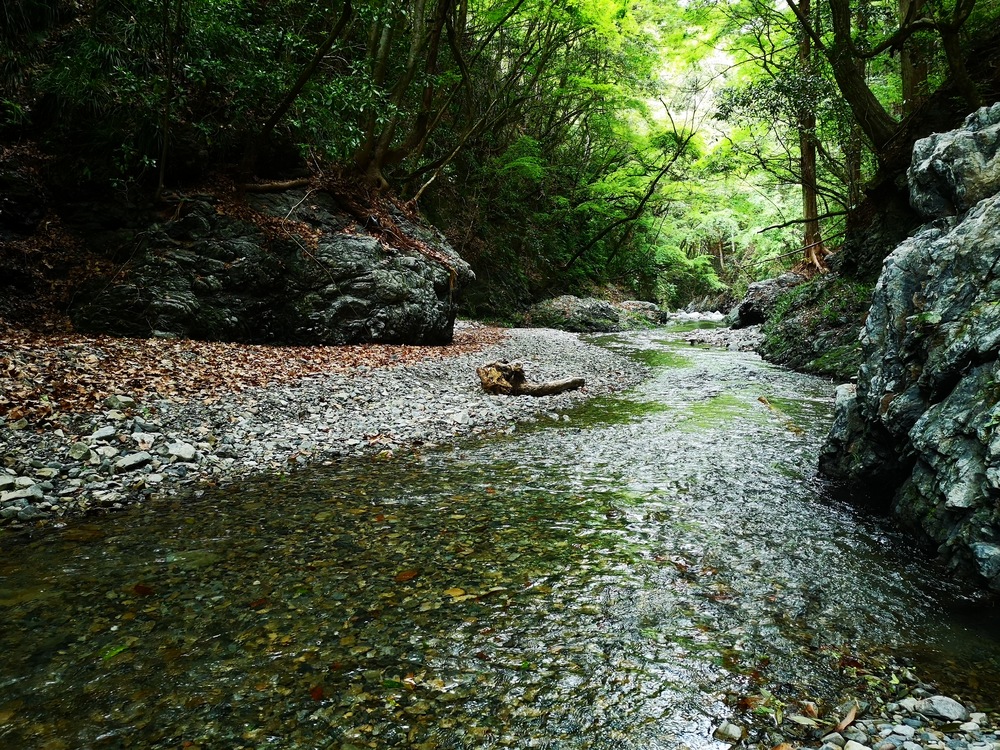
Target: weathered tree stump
[(508, 379)]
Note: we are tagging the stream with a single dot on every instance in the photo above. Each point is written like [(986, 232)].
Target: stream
[(619, 577)]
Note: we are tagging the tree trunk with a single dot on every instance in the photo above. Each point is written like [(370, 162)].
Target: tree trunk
[(508, 379), (913, 61), (812, 240), (170, 41), (868, 111)]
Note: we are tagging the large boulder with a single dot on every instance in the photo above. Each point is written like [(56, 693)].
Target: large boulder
[(760, 300), (294, 269), (923, 422), (578, 314)]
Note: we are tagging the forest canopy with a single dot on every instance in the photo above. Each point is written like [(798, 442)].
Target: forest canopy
[(668, 149)]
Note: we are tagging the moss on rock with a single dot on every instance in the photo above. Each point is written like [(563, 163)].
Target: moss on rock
[(814, 327)]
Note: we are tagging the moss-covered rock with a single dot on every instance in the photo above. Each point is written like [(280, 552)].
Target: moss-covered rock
[(814, 327)]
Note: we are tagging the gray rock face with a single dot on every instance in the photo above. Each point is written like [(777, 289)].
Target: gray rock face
[(951, 172), (313, 279), (923, 422), (577, 314), (649, 312), (760, 299)]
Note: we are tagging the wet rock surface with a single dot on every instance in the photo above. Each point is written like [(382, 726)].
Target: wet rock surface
[(923, 421), (295, 270), (131, 451)]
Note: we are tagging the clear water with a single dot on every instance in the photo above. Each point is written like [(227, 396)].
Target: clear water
[(615, 581)]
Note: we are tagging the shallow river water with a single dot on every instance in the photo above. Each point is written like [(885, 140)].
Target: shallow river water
[(617, 580)]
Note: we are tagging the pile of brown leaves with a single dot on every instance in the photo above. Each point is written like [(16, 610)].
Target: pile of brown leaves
[(44, 377)]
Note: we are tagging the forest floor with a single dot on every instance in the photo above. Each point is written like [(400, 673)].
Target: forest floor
[(47, 378)]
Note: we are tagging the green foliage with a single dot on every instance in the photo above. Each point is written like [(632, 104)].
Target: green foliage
[(522, 161), (565, 146)]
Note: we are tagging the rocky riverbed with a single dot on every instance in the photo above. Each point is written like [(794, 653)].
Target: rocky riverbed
[(920, 721), (136, 448)]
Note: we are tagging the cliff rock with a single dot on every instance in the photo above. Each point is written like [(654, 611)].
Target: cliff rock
[(921, 429), (292, 268)]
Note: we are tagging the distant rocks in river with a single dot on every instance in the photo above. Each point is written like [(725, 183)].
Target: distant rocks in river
[(295, 269), (923, 425), (592, 315)]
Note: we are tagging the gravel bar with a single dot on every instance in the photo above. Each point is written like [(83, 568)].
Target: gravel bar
[(134, 450)]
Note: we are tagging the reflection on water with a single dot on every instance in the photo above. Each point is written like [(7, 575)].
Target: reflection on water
[(601, 583)]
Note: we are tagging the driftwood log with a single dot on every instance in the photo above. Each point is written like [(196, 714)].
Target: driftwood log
[(508, 379)]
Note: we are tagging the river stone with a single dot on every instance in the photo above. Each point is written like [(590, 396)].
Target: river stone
[(210, 275), (104, 433), (728, 732), (119, 401), (987, 558), (79, 451), (29, 513), (852, 745), (133, 461), (182, 451), (34, 492), (6, 482), (942, 707)]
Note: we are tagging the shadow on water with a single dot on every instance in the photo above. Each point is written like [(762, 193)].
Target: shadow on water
[(600, 583)]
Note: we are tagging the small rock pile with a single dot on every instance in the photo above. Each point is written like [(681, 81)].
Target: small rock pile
[(132, 451), (921, 721), (932, 723)]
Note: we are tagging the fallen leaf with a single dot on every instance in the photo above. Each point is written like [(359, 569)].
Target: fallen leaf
[(455, 592), (407, 575), (141, 589), (316, 692), (804, 721), (112, 651), (848, 719), (749, 702)]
